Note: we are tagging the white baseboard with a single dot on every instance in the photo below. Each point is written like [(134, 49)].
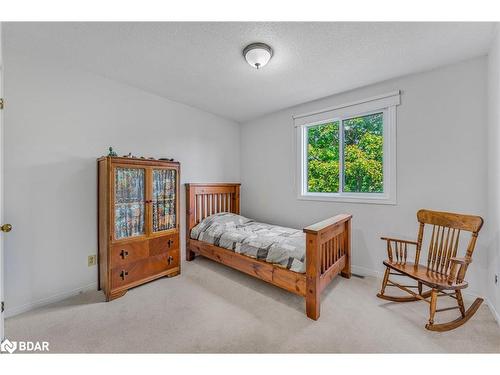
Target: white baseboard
[(362, 271), (493, 311), (16, 310)]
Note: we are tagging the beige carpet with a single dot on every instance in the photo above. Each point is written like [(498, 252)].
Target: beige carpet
[(211, 308)]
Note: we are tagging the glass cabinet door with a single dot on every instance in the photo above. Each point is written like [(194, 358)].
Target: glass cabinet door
[(163, 199), (129, 215)]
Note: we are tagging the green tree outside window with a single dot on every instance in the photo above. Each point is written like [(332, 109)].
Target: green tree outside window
[(362, 155)]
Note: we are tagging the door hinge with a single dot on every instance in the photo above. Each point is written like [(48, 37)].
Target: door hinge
[(1, 103), (3, 306)]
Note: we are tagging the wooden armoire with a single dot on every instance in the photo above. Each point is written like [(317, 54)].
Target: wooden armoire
[(138, 213)]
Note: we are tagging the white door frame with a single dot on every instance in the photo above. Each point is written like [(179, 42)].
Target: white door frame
[(2, 331)]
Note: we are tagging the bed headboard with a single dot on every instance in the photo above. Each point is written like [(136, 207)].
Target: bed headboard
[(203, 200)]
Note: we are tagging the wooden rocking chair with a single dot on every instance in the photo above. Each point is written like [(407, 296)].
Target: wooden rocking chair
[(444, 272)]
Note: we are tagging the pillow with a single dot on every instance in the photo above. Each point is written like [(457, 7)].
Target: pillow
[(224, 220)]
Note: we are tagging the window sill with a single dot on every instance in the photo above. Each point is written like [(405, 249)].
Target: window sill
[(345, 198)]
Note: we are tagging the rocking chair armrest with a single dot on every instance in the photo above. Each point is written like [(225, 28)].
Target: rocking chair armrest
[(458, 269), (461, 260), (399, 240), (400, 248)]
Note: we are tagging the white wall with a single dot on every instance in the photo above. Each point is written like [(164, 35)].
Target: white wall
[(441, 162), (493, 217), (57, 122)]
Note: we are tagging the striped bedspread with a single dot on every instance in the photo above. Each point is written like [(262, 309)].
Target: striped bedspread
[(278, 245)]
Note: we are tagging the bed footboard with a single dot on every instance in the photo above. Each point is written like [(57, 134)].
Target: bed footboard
[(328, 253)]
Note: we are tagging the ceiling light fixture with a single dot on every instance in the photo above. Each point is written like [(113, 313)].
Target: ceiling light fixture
[(257, 54)]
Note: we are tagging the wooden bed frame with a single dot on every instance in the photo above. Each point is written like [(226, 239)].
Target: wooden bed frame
[(328, 246)]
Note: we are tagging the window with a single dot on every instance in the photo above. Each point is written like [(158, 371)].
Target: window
[(347, 153)]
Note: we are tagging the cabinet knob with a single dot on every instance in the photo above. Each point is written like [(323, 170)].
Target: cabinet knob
[(6, 228), (170, 242), (124, 254), (170, 259), (123, 274)]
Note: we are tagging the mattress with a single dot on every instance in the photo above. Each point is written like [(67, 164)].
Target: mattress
[(282, 246)]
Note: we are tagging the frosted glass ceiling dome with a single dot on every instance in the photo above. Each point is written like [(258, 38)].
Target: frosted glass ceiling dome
[(257, 54)]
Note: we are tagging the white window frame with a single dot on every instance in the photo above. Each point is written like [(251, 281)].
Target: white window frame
[(385, 104)]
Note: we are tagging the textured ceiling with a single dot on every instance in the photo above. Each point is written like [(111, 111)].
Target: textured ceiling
[(201, 64)]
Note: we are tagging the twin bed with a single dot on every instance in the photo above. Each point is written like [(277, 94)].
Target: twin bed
[(302, 262)]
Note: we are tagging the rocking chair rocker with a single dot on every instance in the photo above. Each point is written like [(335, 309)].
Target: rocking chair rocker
[(444, 272)]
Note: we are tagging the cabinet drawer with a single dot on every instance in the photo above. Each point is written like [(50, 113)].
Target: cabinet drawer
[(143, 269), (129, 253), (163, 244)]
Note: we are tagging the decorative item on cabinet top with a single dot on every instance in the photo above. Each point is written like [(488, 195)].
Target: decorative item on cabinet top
[(138, 213), (112, 153)]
